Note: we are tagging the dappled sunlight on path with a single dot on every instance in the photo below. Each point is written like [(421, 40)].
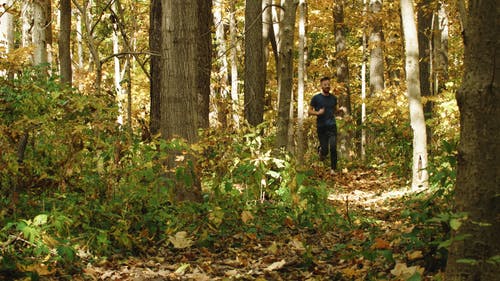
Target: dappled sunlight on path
[(366, 187)]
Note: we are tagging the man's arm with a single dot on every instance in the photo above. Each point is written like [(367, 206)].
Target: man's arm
[(313, 111)]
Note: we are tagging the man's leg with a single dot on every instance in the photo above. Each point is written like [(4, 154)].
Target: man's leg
[(332, 143), (323, 143)]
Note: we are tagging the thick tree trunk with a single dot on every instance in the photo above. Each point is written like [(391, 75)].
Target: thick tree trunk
[(376, 48), (478, 171), (254, 63), (183, 78), (6, 27), (39, 38), (179, 80), (155, 41), (286, 72), (64, 42), (27, 19), (345, 140), (419, 163), (6, 31)]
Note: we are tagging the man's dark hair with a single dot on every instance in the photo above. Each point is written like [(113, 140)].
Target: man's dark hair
[(324, 79)]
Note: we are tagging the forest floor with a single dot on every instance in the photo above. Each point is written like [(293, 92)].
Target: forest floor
[(371, 249)]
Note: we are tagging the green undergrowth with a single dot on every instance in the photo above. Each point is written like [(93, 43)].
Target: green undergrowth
[(76, 187)]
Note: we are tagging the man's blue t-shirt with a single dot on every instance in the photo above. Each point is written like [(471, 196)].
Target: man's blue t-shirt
[(329, 103)]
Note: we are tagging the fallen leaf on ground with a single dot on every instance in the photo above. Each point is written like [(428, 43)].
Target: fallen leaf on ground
[(401, 270), (180, 240), (275, 265)]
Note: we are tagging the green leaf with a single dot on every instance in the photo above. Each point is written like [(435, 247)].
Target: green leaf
[(467, 261), (455, 224), (40, 220), (66, 253), (415, 277), (494, 259), (445, 244)]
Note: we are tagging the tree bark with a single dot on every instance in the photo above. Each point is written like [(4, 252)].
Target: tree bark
[(65, 68), (375, 42), (155, 41), (204, 56), (345, 140), (39, 38), (6, 26), (183, 78), (301, 71), (221, 97), (254, 87), (439, 48), (478, 171), (234, 64), (286, 71), (424, 22), (419, 163)]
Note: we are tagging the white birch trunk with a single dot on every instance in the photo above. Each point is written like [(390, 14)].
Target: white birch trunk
[(79, 39), (419, 163), (39, 39), (6, 28), (301, 70), (120, 99), (234, 64)]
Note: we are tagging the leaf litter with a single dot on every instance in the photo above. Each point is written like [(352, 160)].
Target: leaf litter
[(365, 251)]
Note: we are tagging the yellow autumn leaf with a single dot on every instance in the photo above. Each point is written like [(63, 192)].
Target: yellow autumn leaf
[(246, 216), (275, 265), (180, 240), (414, 255), (401, 270)]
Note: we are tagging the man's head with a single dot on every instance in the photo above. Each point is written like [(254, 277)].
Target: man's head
[(325, 84)]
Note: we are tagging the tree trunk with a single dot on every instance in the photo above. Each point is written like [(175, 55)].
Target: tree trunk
[(6, 26), (362, 149), (6, 31), (478, 171), (345, 140), (376, 48), (301, 70), (64, 42), (27, 19), (424, 22), (204, 56), (79, 39), (120, 95), (286, 72), (86, 13), (47, 7), (439, 48), (155, 41), (221, 97), (39, 38), (254, 63), (179, 80), (419, 163), (182, 81), (234, 64)]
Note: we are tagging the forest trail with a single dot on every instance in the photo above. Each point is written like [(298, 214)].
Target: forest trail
[(371, 247)]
